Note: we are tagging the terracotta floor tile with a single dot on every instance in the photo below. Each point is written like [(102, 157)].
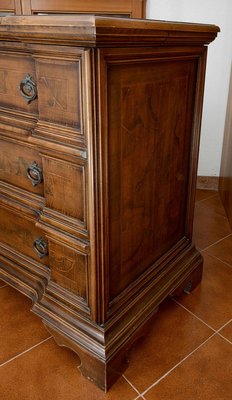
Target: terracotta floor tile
[(174, 333), (19, 328), (213, 204), (227, 331), (205, 375), (204, 194), (212, 299), (222, 250), (209, 227), (50, 372)]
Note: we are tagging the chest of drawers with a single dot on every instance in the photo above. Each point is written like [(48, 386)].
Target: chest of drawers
[(99, 134)]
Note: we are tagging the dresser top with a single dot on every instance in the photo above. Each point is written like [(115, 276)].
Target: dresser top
[(92, 31)]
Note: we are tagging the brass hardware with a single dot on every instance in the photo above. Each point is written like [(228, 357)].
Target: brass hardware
[(28, 89), (40, 246), (35, 174)]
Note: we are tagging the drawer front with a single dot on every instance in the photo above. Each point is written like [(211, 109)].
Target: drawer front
[(59, 92), (21, 166), (13, 71), (69, 268), (64, 188), (21, 234)]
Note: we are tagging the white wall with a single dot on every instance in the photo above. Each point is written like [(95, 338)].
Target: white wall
[(217, 73)]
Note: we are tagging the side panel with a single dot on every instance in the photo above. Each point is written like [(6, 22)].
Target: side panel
[(147, 150)]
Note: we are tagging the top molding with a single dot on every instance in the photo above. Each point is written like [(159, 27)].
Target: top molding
[(98, 31)]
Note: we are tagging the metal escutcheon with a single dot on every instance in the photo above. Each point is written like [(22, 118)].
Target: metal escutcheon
[(35, 174), (40, 246), (28, 89)]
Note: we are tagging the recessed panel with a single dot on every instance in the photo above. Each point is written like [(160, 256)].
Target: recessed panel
[(150, 129), (68, 268), (65, 187), (59, 92)]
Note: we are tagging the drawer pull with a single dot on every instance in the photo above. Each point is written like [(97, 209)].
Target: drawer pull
[(40, 247), (35, 174), (28, 89)]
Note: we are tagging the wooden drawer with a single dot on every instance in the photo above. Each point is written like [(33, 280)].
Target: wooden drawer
[(20, 165), (62, 183), (48, 87), (13, 70), (20, 233), (69, 267)]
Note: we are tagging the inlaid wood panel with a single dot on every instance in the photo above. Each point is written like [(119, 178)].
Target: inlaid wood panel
[(13, 69), (15, 159), (148, 163), (20, 232), (65, 187), (68, 268), (59, 91)]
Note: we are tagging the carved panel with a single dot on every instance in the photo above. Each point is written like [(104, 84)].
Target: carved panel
[(59, 91), (13, 69), (146, 207), (68, 268), (65, 187), (15, 159), (20, 233)]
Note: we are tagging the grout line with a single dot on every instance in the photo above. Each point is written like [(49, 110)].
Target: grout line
[(179, 363), (225, 338), (219, 259), (190, 312), (205, 323), (218, 241), (140, 397), (26, 351), (131, 384), (216, 333), (210, 197), (223, 326)]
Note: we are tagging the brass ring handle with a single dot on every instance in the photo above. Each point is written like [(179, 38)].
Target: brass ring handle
[(40, 246), (35, 174), (27, 88)]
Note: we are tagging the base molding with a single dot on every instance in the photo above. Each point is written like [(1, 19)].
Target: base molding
[(208, 182), (104, 357), (103, 349)]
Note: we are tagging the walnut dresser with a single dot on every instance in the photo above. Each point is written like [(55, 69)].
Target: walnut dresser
[(99, 134)]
